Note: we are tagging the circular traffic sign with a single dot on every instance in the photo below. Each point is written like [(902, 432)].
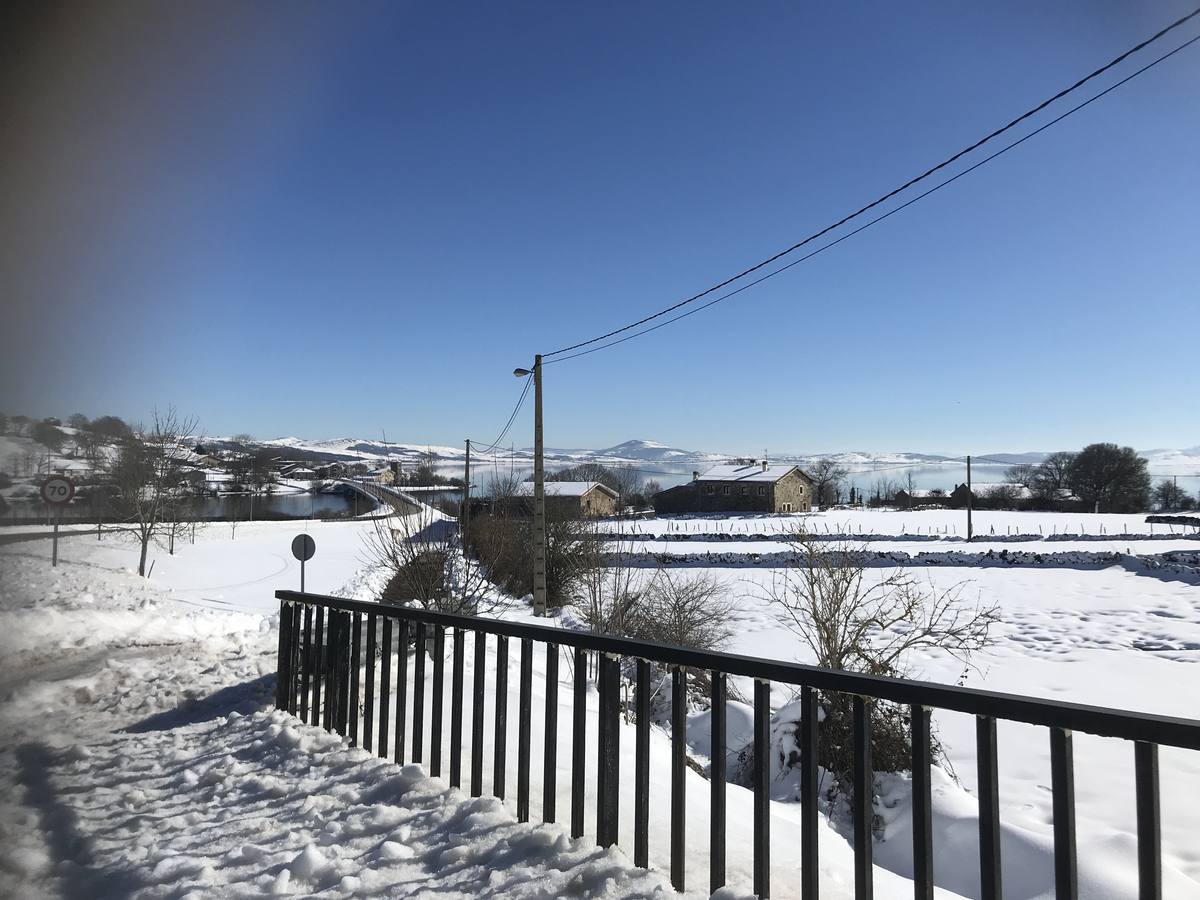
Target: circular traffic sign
[(58, 490), (303, 547)]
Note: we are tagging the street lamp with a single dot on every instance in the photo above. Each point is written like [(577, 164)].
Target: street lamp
[(539, 490)]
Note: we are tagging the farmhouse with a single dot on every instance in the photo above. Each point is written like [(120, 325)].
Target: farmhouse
[(576, 499), (741, 487)]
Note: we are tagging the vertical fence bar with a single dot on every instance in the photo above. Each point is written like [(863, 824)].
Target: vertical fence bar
[(385, 687), (329, 670), (418, 742), (477, 714), (456, 709), (864, 790), (608, 764), (297, 663), (641, 775), (989, 808), (524, 715), (716, 778), (500, 751), (340, 668), (401, 690), (369, 692), (318, 667), (922, 816), (550, 747), (305, 663), (283, 655), (1145, 760), (602, 748), (578, 736), (762, 785), (809, 881), (439, 698), (355, 667), (678, 771), (1062, 785)]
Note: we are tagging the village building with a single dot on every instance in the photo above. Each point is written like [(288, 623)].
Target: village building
[(575, 499), (757, 486)]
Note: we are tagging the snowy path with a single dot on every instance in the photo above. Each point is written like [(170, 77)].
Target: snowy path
[(138, 757)]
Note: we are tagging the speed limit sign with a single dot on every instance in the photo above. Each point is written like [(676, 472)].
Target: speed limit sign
[(57, 490)]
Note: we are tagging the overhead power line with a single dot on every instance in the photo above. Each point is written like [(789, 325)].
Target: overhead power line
[(928, 172), (507, 425)]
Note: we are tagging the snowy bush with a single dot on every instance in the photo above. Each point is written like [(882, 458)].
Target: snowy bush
[(854, 623)]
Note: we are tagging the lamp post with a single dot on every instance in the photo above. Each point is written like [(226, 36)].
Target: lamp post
[(539, 490)]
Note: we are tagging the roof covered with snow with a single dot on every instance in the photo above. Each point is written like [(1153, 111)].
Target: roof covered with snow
[(568, 488), (747, 472)]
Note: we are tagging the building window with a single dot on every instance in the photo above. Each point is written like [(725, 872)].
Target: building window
[(762, 490), (744, 490), (725, 489), (708, 489)]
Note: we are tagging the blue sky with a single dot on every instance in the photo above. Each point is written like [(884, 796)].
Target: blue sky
[(297, 220)]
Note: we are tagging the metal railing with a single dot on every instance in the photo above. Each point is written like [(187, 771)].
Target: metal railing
[(327, 645)]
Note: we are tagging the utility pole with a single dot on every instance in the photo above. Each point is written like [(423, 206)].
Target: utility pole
[(539, 490), (970, 498), (539, 496), (466, 503)]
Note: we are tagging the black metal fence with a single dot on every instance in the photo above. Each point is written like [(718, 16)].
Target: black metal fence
[(330, 650)]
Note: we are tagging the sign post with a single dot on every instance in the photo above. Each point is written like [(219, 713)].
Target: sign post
[(303, 548), (57, 491)]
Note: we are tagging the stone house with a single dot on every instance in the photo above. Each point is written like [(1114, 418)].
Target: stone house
[(574, 499), (760, 487)]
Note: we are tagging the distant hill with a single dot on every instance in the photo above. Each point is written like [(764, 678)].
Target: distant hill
[(653, 455)]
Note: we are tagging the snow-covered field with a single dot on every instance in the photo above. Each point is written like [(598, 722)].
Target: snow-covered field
[(139, 755), (948, 524)]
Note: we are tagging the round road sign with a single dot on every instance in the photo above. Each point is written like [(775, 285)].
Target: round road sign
[(303, 547), (57, 490)]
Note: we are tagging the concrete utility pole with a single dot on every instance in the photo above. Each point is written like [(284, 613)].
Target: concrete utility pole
[(466, 503), (539, 496), (539, 491), (970, 498)]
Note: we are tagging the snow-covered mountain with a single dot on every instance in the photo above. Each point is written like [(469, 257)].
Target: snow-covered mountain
[(653, 455)]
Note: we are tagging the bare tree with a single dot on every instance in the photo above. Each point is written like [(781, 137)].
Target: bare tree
[(1023, 475), (421, 556), (1052, 474), (1169, 496), (502, 487), (827, 477), (884, 490), (852, 622), (690, 610), (607, 594), (145, 476), (425, 473), (628, 482)]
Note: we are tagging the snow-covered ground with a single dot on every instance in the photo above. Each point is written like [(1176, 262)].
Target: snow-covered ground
[(140, 757), (946, 523), (138, 753)]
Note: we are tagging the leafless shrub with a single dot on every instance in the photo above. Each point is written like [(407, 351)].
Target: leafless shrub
[(503, 545), (686, 609), (857, 623), (421, 555)]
